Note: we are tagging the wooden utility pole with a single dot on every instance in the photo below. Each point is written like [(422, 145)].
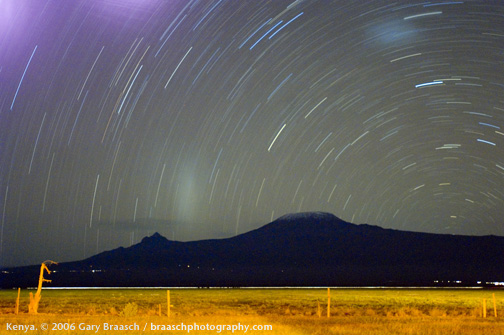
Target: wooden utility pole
[(34, 300)]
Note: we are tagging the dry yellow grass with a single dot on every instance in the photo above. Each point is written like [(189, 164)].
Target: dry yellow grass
[(288, 311)]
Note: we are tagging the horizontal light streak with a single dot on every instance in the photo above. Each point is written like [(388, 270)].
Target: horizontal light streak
[(429, 84)]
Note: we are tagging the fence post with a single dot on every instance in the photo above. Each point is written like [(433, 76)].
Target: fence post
[(495, 304), (17, 301), (328, 302), (168, 301), (484, 308)]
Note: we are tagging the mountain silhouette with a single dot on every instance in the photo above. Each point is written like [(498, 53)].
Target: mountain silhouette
[(302, 249)]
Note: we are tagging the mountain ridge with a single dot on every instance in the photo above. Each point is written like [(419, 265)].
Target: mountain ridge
[(300, 249)]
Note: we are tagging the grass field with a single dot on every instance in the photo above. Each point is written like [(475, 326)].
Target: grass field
[(286, 311)]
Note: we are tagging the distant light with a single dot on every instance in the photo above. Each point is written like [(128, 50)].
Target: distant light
[(496, 283)]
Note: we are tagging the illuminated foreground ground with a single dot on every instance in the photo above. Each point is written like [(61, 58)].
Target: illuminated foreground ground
[(255, 311)]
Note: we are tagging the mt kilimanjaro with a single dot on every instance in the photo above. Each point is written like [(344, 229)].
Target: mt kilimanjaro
[(303, 249)]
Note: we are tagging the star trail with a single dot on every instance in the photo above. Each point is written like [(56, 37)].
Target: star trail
[(206, 119)]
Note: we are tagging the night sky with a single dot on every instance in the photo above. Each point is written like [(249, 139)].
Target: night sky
[(206, 119)]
